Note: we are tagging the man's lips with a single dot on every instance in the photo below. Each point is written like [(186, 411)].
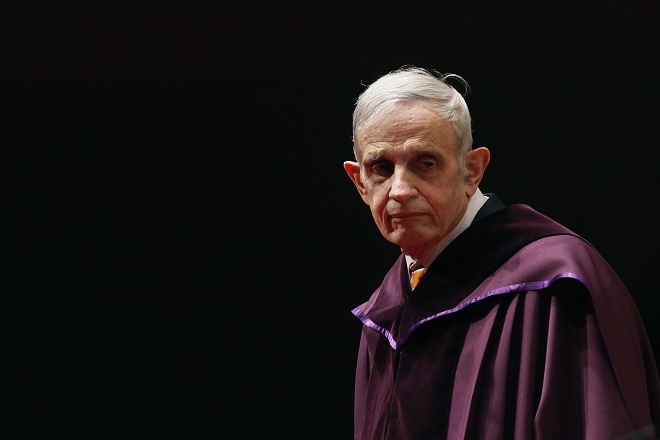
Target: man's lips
[(404, 215)]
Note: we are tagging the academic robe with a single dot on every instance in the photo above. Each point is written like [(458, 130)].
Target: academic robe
[(518, 330)]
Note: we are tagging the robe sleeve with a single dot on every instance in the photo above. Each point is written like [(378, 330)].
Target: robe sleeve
[(361, 383), (538, 367), (580, 396)]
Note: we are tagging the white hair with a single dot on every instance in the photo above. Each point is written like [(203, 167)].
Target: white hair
[(410, 83)]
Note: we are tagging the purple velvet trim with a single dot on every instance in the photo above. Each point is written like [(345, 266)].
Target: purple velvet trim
[(519, 287)]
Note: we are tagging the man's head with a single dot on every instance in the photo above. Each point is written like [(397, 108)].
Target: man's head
[(414, 83), (415, 167)]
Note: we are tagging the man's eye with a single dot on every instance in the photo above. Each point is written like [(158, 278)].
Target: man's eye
[(427, 164), (382, 168)]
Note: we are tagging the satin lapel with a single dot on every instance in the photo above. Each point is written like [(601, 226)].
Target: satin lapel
[(470, 258)]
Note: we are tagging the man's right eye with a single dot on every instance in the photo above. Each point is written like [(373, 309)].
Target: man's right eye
[(382, 168)]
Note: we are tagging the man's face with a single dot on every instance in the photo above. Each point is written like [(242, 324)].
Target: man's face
[(411, 179)]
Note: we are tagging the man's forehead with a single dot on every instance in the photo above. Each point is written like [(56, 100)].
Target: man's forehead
[(385, 140), (384, 150), (379, 139)]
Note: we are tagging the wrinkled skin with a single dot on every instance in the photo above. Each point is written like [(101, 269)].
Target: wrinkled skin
[(410, 176)]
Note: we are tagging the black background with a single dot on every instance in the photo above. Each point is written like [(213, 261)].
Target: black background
[(155, 155)]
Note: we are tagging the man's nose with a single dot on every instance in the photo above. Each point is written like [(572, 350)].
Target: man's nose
[(403, 185)]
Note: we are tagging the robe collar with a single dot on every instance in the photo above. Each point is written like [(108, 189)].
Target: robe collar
[(475, 203), (494, 236)]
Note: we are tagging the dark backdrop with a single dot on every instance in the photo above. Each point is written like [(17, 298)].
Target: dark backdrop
[(154, 157)]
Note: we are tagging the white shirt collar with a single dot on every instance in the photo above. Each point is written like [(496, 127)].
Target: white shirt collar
[(474, 205)]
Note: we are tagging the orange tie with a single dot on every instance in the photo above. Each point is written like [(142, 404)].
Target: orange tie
[(416, 276)]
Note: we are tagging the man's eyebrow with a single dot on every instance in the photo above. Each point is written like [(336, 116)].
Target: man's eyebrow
[(373, 156)]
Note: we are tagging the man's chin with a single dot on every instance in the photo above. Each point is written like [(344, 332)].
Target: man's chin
[(406, 241)]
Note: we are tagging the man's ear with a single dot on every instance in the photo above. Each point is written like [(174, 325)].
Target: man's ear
[(476, 162), (353, 171)]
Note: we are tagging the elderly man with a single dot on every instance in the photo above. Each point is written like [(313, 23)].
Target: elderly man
[(518, 328)]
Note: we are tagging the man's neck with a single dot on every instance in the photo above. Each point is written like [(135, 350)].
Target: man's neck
[(474, 204)]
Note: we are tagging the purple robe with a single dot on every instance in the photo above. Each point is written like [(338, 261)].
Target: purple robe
[(518, 330)]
